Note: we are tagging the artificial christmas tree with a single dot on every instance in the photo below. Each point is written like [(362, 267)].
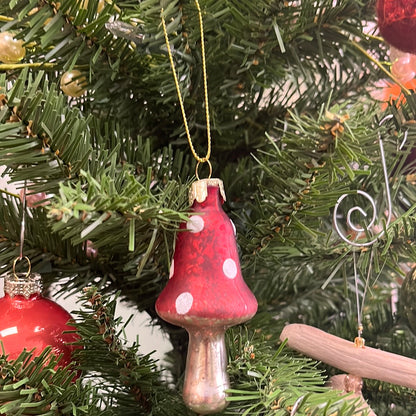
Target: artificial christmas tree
[(294, 127)]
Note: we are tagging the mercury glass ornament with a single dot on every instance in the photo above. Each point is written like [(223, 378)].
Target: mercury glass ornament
[(206, 294)]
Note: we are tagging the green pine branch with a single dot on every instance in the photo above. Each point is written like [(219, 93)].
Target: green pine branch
[(38, 386), (266, 381)]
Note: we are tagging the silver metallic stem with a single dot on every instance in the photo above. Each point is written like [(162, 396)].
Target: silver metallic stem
[(23, 223), (206, 378)]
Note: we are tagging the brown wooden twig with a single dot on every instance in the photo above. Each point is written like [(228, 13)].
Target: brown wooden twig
[(342, 354)]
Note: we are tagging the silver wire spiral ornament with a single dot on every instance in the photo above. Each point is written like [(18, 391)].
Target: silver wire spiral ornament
[(355, 209), (359, 341)]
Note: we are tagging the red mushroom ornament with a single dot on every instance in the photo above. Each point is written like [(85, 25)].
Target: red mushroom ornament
[(206, 294)]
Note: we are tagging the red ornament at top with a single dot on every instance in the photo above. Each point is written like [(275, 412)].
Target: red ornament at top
[(29, 320), (206, 294), (397, 23)]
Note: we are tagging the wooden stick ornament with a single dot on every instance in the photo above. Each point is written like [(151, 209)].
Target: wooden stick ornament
[(365, 362)]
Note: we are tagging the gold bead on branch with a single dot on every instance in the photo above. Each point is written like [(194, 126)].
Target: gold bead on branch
[(11, 49), (73, 83)]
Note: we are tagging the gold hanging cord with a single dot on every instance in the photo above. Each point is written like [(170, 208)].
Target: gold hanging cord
[(199, 159)]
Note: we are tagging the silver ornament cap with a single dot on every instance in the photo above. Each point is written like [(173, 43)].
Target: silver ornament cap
[(22, 284)]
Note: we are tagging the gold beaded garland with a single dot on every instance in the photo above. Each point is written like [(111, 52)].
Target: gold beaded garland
[(73, 83), (11, 49)]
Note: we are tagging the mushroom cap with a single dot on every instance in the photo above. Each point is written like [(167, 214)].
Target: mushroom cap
[(206, 286)]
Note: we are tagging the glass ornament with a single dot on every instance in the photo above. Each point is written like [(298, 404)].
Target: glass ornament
[(397, 23), (30, 321), (206, 294), (404, 67)]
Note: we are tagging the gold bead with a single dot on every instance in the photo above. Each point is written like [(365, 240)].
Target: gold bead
[(11, 49), (73, 83)]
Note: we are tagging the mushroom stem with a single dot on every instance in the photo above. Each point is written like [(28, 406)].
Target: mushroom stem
[(206, 378)]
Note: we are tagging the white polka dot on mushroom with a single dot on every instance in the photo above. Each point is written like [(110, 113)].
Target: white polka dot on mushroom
[(229, 268), (184, 303), (172, 269), (195, 224)]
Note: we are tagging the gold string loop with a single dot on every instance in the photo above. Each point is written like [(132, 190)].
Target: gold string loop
[(199, 159)]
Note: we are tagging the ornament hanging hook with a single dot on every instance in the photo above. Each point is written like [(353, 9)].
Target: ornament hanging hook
[(23, 222), (359, 340), (22, 238), (29, 267), (350, 224)]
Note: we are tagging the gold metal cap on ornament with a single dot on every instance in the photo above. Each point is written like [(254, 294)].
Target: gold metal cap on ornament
[(22, 284), (199, 189)]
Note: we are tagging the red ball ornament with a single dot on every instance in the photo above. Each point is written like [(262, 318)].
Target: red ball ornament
[(397, 23), (28, 320), (206, 294)]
